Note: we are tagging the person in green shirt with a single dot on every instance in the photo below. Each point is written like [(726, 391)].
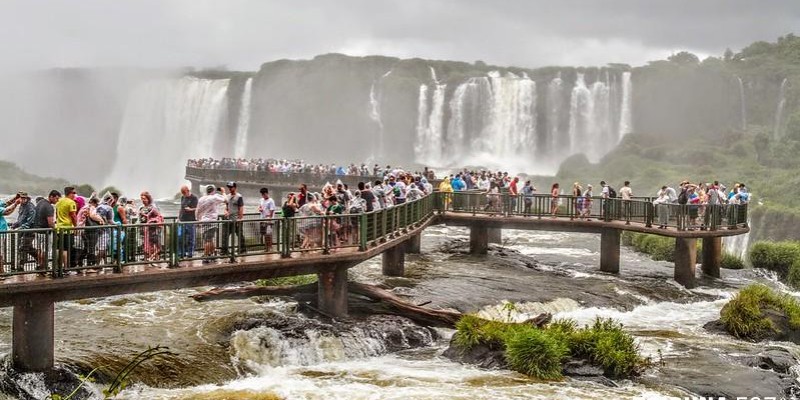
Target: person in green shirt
[(66, 220)]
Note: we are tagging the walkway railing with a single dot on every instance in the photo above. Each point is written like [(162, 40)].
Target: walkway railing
[(641, 210), (59, 253)]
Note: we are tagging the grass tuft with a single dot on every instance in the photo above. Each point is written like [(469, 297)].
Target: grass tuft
[(743, 317), (288, 280)]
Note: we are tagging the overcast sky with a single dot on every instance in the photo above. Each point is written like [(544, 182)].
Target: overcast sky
[(241, 34)]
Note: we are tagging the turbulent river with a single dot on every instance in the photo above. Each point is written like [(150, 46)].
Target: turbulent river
[(557, 273)]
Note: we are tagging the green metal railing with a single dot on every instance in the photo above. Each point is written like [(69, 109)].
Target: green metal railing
[(167, 244), (59, 253), (639, 210)]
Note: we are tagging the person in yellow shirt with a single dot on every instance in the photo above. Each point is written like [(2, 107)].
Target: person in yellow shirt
[(446, 188), (66, 218)]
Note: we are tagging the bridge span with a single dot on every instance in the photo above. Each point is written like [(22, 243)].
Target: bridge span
[(129, 265)]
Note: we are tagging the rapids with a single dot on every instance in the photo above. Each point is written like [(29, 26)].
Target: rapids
[(222, 357)]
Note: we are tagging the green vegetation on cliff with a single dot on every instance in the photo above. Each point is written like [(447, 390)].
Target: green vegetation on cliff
[(542, 352), (781, 257), (746, 315), (13, 179)]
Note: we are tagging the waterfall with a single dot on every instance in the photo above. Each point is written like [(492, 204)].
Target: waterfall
[(430, 126), (554, 101), (510, 130), (422, 142), (779, 112), (581, 110), (737, 245), (375, 115), (625, 124), (602, 136), (244, 120), (165, 123), (742, 104)]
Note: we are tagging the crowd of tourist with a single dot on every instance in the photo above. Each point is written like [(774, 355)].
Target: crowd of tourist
[(217, 218), (299, 166)]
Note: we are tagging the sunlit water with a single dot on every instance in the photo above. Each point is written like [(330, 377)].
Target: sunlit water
[(216, 363)]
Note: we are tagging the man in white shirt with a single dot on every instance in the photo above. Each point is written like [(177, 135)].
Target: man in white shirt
[(266, 208), (626, 193), (207, 211)]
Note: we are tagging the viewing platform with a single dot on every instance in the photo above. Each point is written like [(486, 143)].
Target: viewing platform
[(143, 258)]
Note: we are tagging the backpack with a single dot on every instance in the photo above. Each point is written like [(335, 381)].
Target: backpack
[(612, 194), (683, 198)]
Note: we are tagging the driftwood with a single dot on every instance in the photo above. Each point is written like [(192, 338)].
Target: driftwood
[(364, 298)]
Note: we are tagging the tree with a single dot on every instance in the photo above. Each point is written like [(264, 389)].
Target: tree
[(684, 58), (728, 56)]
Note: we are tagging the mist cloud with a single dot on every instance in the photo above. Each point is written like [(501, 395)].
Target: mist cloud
[(241, 34)]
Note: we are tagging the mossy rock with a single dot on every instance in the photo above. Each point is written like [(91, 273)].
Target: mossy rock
[(759, 313)]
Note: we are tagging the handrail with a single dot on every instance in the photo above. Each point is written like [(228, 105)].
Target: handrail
[(60, 252)]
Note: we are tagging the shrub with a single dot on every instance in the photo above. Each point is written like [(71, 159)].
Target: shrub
[(742, 316), (775, 256), (537, 353), (730, 261), (793, 278), (540, 352)]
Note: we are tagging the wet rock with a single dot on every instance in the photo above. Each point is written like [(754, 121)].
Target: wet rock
[(776, 359), (583, 370), (710, 374), (783, 331), (37, 386), (481, 355)]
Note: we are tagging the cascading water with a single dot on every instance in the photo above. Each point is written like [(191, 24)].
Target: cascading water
[(554, 101), (779, 112), (625, 115), (742, 104), (430, 126), (581, 110), (375, 116), (510, 130), (244, 120), (737, 245), (167, 122)]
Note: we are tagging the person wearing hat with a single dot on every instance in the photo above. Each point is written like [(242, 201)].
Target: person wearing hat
[(234, 214), (6, 208)]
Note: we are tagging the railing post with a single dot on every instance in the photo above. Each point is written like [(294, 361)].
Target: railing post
[(325, 235), (362, 232), (649, 212), (117, 246), (285, 235), (174, 243)]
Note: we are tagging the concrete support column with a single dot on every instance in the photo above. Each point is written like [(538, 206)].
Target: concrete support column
[(332, 292), (394, 261), (712, 256), (478, 239), (414, 244), (32, 342), (685, 262), (609, 250), (495, 235)]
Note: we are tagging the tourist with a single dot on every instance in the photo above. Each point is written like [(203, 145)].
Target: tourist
[(380, 195), (6, 208), (234, 214), (45, 219), (493, 199), (513, 193), (106, 212), (577, 193), (266, 210), (586, 212), (302, 196), (66, 220), (26, 215), (367, 196), (626, 193), (335, 225), (152, 236), (399, 190), (662, 204), (554, 199), (528, 190), (188, 214), (207, 213), (447, 189), (414, 193)]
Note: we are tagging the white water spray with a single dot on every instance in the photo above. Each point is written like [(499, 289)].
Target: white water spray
[(244, 120), (625, 115), (165, 123), (742, 104), (779, 112)]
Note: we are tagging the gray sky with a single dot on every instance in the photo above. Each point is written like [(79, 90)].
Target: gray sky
[(241, 34)]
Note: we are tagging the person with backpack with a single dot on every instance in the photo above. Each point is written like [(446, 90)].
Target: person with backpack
[(607, 193)]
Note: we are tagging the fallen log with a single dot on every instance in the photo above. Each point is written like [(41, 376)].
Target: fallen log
[(381, 301)]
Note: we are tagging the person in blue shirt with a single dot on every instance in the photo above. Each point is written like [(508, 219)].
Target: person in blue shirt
[(458, 184)]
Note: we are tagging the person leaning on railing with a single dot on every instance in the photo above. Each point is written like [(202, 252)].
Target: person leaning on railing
[(6, 208)]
